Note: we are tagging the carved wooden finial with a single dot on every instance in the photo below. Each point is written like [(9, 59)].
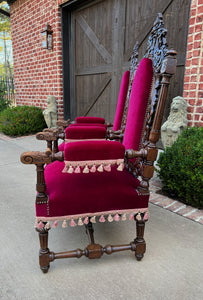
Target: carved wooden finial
[(157, 46), (134, 60)]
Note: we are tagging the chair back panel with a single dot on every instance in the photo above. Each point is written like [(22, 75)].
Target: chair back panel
[(121, 101), (138, 104), (133, 68)]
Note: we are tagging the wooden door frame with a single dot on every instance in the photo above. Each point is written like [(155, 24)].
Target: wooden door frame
[(66, 11)]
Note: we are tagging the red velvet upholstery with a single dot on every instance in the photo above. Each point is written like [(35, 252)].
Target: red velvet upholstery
[(85, 132), (138, 103), (61, 146), (121, 101), (90, 120), (93, 150), (76, 194), (80, 195), (88, 124)]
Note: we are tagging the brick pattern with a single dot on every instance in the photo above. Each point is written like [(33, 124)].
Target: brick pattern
[(38, 72), (172, 205), (193, 80)]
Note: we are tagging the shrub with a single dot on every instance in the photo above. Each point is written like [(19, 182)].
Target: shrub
[(21, 120), (4, 103), (181, 167)]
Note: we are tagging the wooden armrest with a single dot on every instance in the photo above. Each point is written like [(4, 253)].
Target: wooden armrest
[(133, 153), (63, 123), (115, 135), (148, 154), (53, 135), (41, 158), (109, 124)]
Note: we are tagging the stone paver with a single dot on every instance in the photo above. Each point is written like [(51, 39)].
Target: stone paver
[(173, 205)]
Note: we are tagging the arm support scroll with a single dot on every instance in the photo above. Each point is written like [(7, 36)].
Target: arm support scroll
[(40, 158)]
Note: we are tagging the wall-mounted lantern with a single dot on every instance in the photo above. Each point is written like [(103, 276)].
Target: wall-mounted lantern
[(47, 40)]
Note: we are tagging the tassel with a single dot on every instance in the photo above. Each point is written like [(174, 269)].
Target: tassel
[(102, 219), (110, 218), (47, 226), (120, 167), (93, 169), (86, 170), (124, 218), (77, 170), (93, 219), (86, 220), (72, 223), (80, 223), (146, 216), (65, 170), (100, 168), (55, 224), (138, 217), (131, 217), (70, 170), (116, 218), (40, 225), (64, 224), (107, 168)]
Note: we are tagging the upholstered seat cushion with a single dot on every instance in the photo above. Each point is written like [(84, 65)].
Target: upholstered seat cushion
[(90, 120), (93, 150), (88, 124), (81, 195), (85, 132)]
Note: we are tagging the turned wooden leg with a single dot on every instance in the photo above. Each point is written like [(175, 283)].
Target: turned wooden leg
[(44, 253), (90, 232), (139, 241)]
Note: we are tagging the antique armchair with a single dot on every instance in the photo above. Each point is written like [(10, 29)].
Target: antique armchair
[(97, 181)]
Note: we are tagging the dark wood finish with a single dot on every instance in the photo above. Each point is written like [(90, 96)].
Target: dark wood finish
[(45, 256), (139, 241), (92, 251), (164, 63), (52, 136)]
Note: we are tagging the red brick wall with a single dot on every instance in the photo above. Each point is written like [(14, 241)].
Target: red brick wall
[(38, 72), (193, 80)]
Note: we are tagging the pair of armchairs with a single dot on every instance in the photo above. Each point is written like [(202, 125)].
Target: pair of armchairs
[(99, 180)]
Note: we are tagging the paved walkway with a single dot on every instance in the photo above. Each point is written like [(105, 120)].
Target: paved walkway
[(172, 268)]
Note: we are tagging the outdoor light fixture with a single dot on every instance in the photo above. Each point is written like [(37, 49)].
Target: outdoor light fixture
[(47, 40)]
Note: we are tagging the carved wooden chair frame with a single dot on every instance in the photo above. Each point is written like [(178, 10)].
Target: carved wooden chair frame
[(164, 63)]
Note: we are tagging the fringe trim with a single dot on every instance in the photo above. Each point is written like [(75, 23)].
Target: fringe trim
[(92, 166), (80, 140), (79, 220)]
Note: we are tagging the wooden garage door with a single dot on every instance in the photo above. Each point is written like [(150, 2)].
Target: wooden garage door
[(101, 38)]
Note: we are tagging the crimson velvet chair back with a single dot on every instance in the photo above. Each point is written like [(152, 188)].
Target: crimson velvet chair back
[(107, 181), (121, 101)]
